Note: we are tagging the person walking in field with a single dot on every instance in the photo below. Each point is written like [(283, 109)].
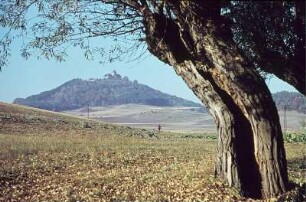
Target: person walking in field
[(159, 127)]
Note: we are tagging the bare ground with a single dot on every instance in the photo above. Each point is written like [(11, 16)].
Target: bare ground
[(179, 119), (54, 157)]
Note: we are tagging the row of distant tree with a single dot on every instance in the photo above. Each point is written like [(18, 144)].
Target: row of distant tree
[(290, 101)]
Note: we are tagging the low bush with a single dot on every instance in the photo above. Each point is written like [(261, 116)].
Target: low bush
[(295, 136)]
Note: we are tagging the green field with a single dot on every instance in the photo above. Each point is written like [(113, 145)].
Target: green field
[(51, 157)]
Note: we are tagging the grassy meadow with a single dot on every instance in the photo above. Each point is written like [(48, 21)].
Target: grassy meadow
[(52, 157)]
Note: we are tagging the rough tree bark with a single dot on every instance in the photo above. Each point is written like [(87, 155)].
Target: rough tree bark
[(251, 153)]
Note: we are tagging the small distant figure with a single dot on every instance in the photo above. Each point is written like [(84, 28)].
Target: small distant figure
[(159, 127)]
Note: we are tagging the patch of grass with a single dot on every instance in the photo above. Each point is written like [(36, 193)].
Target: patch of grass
[(56, 158), (97, 168), (205, 136), (295, 136), (296, 159)]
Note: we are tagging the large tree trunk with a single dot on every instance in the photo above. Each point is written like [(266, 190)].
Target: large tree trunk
[(235, 151), (251, 153), (251, 101)]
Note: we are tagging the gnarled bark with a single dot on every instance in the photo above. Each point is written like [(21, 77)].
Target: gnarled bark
[(250, 94), (251, 153)]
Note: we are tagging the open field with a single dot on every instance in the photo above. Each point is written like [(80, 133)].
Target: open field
[(177, 119), (53, 157)]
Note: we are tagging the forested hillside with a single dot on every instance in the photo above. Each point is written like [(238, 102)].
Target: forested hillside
[(113, 89), (290, 100)]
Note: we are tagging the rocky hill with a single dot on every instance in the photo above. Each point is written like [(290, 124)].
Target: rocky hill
[(290, 100), (113, 89)]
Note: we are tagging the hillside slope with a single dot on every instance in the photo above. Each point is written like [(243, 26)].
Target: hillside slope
[(178, 119), (48, 156), (112, 90), (22, 120), (290, 100)]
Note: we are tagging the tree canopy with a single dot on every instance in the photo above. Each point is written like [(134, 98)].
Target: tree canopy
[(271, 34)]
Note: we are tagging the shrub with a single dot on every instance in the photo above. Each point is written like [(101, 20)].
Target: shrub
[(295, 136)]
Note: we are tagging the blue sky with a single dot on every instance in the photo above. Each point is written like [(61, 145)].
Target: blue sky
[(22, 78)]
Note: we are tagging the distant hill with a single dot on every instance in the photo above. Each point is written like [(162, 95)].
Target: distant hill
[(290, 100), (113, 89)]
